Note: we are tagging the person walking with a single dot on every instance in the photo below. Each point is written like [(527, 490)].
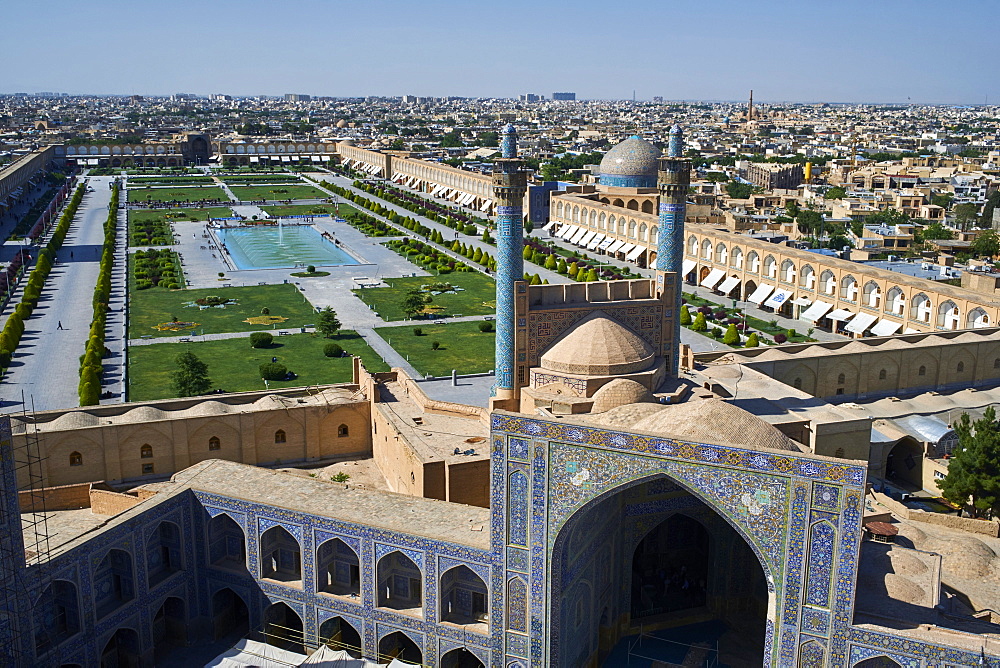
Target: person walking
[(59, 326)]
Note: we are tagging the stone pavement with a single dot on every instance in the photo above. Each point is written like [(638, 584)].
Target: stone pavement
[(116, 325), (46, 364)]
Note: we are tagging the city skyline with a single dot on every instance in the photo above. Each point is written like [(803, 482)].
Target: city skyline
[(878, 53)]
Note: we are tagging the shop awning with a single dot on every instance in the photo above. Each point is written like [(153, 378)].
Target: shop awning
[(625, 248), (910, 330), (778, 299), (886, 327), (587, 237), (606, 244), (613, 248), (568, 232), (687, 267), (841, 314), (254, 158), (286, 158), (861, 322), (727, 285), (580, 234), (316, 158), (486, 205), (713, 277), (761, 293), (803, 301), (634, 254), (596, 241), (547, 226), (816, 311)]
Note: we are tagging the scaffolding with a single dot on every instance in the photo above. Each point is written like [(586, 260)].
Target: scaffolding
[(23, 478)]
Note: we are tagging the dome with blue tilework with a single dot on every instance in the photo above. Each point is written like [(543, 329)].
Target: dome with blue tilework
[(630, 164)]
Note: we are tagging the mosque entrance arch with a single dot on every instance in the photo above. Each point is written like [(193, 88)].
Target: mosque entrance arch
[(653, 557)]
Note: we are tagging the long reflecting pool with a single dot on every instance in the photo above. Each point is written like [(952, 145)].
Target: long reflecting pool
[(279, 248)]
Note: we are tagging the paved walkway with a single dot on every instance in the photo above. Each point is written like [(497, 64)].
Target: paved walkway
[(116, 326), (46, 364)]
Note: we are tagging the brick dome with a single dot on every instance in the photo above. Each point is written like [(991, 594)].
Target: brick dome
[(598, 346)]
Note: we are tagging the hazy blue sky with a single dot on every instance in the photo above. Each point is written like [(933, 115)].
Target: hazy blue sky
[(844, 50)]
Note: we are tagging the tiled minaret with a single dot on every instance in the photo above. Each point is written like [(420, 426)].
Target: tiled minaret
[(509, 186), (674, 179)]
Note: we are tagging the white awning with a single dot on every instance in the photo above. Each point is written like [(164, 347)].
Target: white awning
[(587, 237), (596, 241), (254, 158), (727, 285), (316, 158), (467, 199), (910, 330), (613, 248), (687, 267), (886, 327), (803, 301), (761, 293), (625, 248), (634, 254), (861, 322), (778, 299), (816, 311), (606, 243), (580, 234), (713, 277), (347, 163), (569, 231), (285, 158), (548, 225), (486, 205), (841, 314), (92, 161)]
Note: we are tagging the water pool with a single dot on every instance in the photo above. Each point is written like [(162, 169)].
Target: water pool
[(280, 248)]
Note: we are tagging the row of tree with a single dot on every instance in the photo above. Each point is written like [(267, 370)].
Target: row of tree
[(91, 367), (13, 329)]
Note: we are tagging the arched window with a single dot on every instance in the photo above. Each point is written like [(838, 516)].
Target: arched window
[(881, 374), (873, 294), (922, 371), (706, 250), (961, 367), (214, 443), (841, 379), (75, 459), (721, 254), (279, 436), (770, 267), (788, 271), (827, 282), (146, 451), (693, 245), (343, 430), (807, 277), (737, 258), (896, 302), (754, 261), (849, 289)]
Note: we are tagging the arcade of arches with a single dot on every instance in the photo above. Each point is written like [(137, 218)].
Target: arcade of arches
[(650, 557)]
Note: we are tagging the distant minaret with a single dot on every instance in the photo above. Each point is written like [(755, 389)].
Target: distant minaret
[(750, 108), (509, 185), (674, 179)]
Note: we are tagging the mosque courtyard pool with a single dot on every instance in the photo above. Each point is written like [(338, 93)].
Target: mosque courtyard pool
[(281, 247)]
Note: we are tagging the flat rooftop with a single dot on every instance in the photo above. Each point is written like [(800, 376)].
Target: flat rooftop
[(434, 437), (914, 269)]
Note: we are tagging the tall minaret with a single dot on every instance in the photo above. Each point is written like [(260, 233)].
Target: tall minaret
[(750, 108), (674, 179), (509, 185)]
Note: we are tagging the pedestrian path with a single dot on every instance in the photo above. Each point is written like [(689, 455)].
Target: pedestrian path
[(387, 352), (116, 363), (45, 366)]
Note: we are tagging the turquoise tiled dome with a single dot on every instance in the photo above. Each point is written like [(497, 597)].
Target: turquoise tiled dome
[(630, 164)]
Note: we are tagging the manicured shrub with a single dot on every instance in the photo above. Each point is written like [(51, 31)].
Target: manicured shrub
[(752, 341), (731, 336), (685, 315), (486, 326), (699, 324), (273, 371), (333, 350), (260, 340), (780, 338), (417, 331), (435, 345)]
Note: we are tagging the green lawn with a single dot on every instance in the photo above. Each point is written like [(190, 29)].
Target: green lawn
[(209, 193), (306, 209), (277, 192), (463, 347), (233, 365), (168, 180), (148, 308), (251, 179), (478, 298), (178, 215)]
